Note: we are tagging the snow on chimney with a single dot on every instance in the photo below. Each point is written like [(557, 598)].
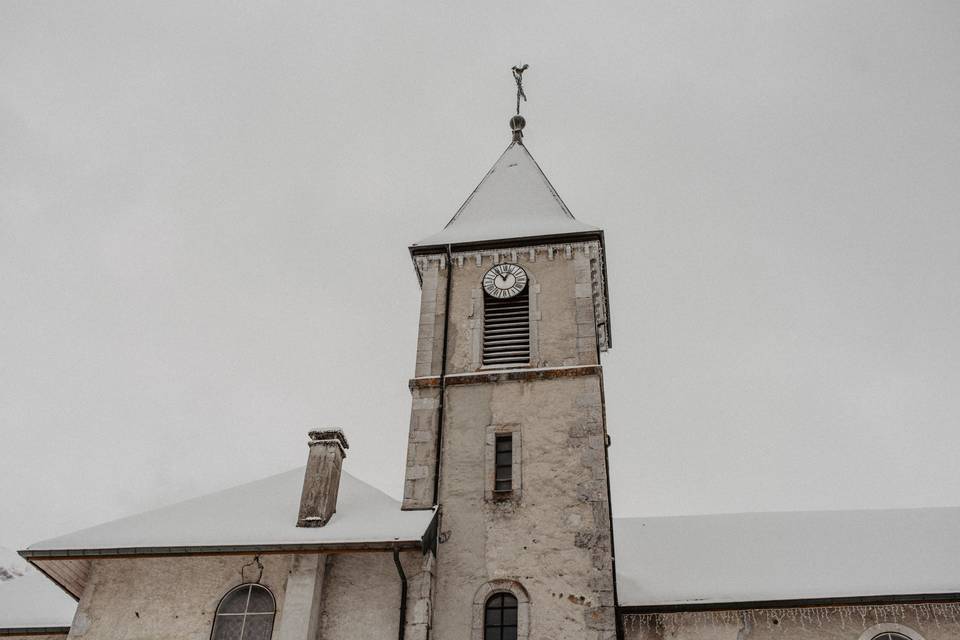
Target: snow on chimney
[(321, 481)]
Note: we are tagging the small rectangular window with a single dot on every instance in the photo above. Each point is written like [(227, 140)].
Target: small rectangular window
[(503, 478)]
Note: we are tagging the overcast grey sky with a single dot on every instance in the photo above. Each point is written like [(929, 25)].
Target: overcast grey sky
[(205, 211)]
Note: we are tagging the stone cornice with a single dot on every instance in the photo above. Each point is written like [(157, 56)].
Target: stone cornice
[(507, 375)]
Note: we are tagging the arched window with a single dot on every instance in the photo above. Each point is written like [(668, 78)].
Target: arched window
[(890, 631), (246, 613), (500, 617)]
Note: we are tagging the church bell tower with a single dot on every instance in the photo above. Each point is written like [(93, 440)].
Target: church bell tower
[(507, 433)]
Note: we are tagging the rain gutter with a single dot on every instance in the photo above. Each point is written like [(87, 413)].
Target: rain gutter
[(917, 598), (33, 631), (123, 552)]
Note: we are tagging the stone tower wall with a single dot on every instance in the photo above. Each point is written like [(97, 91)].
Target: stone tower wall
[(565, 306), (554, 538), (549, 542)]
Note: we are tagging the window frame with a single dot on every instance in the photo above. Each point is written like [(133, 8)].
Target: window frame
[(477, 297), (490, 491), (503, 471), (250, 586), (502, 595), (879, 630), (485, 591), (527, 294)]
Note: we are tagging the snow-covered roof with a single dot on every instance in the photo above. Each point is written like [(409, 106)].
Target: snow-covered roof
[(753, 557), (513, 201), (28, 600), (260, 513)]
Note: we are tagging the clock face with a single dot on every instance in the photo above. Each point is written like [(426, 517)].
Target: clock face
[(505, 280)]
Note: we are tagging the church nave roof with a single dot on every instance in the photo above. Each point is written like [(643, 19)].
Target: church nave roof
[(762, 557), (259, 513)]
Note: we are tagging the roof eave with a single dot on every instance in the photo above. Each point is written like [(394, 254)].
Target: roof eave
[(33, 631), (792, 603), (506, 243), (38, 555)]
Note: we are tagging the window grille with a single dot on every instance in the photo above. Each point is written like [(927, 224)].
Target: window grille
[(246, 613), (503, 467), (500, 617), (506, 329), (891, 635)]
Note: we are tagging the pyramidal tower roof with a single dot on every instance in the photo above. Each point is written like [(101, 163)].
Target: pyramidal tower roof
[(514, 201)]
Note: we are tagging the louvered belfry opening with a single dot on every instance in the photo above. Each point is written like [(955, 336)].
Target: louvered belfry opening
[(506, 329)]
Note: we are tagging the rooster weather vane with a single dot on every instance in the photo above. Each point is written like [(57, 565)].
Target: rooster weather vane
[(518, 76)]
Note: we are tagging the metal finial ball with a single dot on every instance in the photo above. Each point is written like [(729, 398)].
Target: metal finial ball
[(517, 123)]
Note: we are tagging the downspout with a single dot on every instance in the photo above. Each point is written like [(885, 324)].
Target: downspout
[(403, 594), (617, 621), (443, 379)]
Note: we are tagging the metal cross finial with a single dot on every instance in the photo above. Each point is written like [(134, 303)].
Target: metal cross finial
[(518, 76)]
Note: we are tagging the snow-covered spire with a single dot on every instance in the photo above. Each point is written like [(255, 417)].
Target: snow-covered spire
[(514, 201)]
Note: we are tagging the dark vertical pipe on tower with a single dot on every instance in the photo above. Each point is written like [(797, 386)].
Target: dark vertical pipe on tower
[(618, 623), (403, 594), (443, 379)]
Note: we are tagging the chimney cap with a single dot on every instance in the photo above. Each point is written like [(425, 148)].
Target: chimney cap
[(318, 436)]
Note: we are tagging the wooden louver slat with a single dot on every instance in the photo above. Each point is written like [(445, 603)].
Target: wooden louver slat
[(506, 330)]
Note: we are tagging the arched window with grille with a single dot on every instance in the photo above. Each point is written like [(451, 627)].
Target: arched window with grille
[(500, 617), (245, 613)]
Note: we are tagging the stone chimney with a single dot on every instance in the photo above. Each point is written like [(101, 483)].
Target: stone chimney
[(321, 481)]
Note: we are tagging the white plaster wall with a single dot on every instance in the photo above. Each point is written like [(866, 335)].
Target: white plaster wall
[(150, 598), (170, 597), (361, 597)]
